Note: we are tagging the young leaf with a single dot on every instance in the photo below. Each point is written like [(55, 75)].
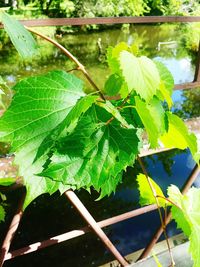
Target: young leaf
[(113, 85), (178, 135), (165, 76), (7, 181), (146, 194), (152, 116), (189, 221), (20, 37), (91, 156), (2, 213), (166, 85), (140, 74), (39, 105), (113, 56), (178, 215)]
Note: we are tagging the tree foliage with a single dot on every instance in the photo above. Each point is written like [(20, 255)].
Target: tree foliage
[(104, 8)]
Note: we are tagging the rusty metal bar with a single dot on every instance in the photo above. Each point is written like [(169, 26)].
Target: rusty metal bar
[(197, 70), (195, 172), (107, 20), (11, 231), (90, 220), (75, 233), (189, 85)]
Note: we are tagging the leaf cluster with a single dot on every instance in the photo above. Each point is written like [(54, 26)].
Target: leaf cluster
[(65, 139)]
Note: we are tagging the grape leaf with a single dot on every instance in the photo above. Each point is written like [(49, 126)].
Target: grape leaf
[(107, 105), (113, 85), (67, 125), (189, 221), (95, 154), (166, 84), (140, 74), (178, 215), (146, 194), (39, 105), (152, 116), (113, 56), (178, 135), (2, 213), (20, 37)]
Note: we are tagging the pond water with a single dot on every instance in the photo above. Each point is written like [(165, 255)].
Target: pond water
[(48, 216)]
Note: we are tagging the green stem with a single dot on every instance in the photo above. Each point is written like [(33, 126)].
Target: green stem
[(170, 201), (159, 209)]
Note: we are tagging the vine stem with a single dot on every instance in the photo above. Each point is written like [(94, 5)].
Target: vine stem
[(159, 209), (168, 200), (80, 66)]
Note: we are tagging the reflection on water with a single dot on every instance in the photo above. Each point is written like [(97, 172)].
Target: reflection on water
[(53, 216), (164, 43)]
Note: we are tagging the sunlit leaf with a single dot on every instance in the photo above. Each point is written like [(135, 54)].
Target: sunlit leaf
[(189, 220), (146, 195), (113, 56), (152, 116), (39, 105), (166, 84), (20, 37), (178, 135), (140, 74), (7, 181)]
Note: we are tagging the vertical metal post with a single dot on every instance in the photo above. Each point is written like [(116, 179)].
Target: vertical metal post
[(195, 172), (89, 219), (197, 70)]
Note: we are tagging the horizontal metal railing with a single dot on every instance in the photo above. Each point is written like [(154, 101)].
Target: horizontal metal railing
[(109, 20)]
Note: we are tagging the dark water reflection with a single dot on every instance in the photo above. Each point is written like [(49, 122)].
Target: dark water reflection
[(47, 217)]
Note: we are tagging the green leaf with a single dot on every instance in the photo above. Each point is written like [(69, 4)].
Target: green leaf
[(7, 181), (146, 194), (67, 125), (95, 155), (20, 37), (113, 56), (167, 83), (189, 221), (2, 213), (113, 85), (152, 116), (39, 105), (107, 105), (177, 214), (178, 135), (165, 76), (140, 74)]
